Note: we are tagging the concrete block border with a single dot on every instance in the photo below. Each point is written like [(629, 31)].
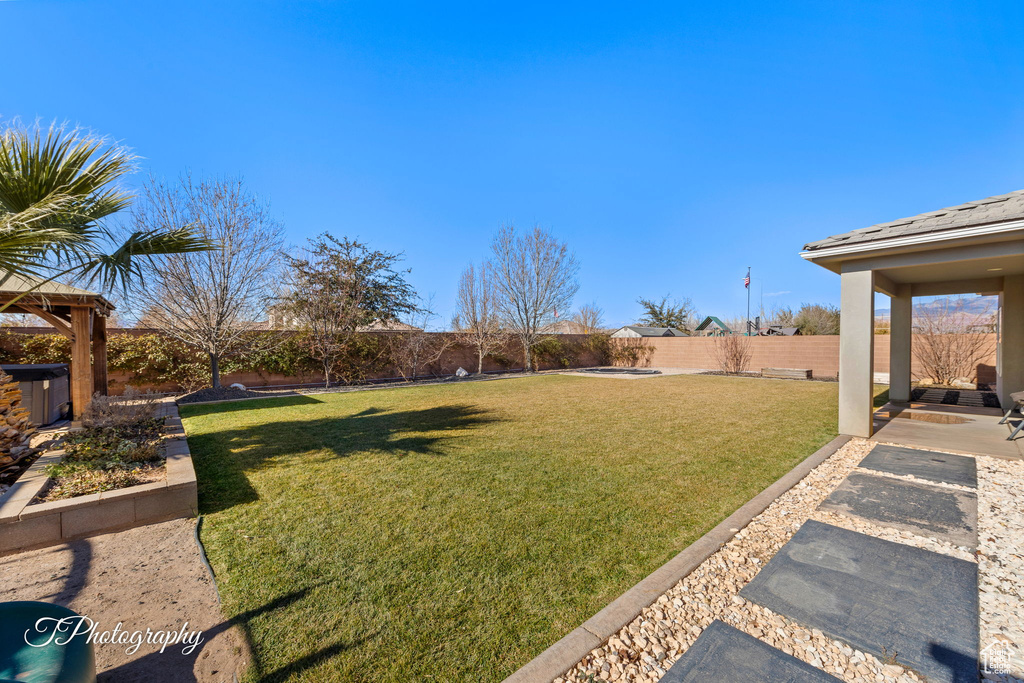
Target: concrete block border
[(564, 654), (24, 525)]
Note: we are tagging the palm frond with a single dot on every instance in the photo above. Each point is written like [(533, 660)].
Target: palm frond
[(35, 166), (118, 269)]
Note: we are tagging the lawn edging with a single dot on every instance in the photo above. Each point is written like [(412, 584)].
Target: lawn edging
[(24, 526), (561, 656)]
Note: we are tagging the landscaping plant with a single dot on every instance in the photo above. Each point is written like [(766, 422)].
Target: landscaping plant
[(118, 447)]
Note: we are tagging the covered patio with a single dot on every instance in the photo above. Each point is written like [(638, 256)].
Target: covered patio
[(973, 248), (79, 315)]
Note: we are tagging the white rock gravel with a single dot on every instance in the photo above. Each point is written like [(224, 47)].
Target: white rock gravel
[(646, 647), (1001, 559)]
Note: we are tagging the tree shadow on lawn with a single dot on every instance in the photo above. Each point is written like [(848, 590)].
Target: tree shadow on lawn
[(223, 459), (193, 410), (171, 665)]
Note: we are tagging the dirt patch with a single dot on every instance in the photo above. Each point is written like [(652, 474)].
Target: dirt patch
[(151, 577)]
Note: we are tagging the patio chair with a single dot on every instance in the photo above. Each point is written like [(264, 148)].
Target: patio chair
[(69, 662), (1016, 403)]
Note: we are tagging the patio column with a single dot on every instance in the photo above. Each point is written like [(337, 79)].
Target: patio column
[(856, 351), (81, 360), (900, 326), (1011, 339), (99, 354)]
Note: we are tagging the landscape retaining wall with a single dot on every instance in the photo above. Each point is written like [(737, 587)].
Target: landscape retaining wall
[(24, 524)]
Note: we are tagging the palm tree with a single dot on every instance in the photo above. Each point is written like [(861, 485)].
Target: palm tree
[(56, 187)]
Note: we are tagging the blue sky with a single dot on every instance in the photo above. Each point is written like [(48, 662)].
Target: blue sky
[(672, 145)]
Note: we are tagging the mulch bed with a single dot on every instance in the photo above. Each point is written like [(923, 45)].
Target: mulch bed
[(219, 394)]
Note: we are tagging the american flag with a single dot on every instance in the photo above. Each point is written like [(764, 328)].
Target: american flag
[(746, 280)]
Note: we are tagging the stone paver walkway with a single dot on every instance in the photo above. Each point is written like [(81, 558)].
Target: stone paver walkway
[(856, 595), (724, 653), (922, 509), (902, 604)]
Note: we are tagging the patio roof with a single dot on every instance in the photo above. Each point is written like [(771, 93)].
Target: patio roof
[(49, 293), (977, 247), (79, 315), (992, 210)]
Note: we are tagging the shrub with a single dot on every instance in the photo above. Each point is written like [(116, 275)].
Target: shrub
[(733, 353), (120, 442), (131, 408)]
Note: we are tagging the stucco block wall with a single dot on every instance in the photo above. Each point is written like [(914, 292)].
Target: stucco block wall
[(819, 353)]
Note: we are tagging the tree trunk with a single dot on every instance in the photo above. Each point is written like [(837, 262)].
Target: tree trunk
[(327, 374), (479, 360), (215, 370), (527, 360)]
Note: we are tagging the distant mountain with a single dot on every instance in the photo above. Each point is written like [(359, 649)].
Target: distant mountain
[(972, 305)]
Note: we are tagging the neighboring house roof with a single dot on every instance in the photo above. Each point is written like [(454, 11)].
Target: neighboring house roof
[(563, 327), (998, 209), (778, 330), (712, 320), (388, 326), (652, 331)]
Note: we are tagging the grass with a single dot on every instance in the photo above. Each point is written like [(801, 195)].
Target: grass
[(453, 532)]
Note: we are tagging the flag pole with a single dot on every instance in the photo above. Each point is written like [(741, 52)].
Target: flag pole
[(748, 301)]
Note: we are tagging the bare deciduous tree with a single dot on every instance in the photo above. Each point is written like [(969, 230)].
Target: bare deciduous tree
[(210, 300), (589, 319), (948, 341), (418, 349), (476, 321), (733, 353), (534, 276), (337, 286)]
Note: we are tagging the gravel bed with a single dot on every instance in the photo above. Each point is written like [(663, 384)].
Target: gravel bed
[(647, 647), (1001, 558)]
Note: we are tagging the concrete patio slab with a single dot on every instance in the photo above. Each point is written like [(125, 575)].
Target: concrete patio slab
[(724, 653), (926, 426), (888, 599), (945, 513), (932, 465)]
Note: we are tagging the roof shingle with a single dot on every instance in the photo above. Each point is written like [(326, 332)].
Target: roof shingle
[(1004, 207)]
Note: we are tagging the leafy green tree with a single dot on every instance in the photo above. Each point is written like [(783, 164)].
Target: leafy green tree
[(677, 313), (339, 285), (56, 188), (817, 319)]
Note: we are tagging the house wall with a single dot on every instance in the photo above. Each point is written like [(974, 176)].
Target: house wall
[(819, 353)]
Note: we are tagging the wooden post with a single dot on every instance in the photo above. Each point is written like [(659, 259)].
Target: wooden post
[(81, 361), (99, 354)]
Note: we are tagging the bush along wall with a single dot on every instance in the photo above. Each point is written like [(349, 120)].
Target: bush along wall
[(152, 360)]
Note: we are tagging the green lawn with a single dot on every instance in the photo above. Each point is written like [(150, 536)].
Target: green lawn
[(453, 532)]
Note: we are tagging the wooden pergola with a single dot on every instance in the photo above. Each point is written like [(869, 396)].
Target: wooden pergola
[(80, 316)]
